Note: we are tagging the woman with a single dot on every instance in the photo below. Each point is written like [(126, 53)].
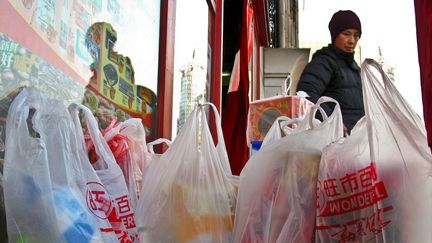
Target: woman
[(333, 72)]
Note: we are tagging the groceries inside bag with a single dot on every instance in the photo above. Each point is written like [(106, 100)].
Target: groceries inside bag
[(187, 195), (276, 198), (376, 185)]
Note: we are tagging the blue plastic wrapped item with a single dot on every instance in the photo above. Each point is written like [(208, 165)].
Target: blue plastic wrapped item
[(73, 217)]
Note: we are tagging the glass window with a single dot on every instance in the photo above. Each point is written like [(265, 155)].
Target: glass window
[(103, 53), (191, 59)]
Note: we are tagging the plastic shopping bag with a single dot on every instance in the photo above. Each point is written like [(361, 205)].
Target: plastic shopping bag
[(276, 198), (375, 186), (44, 180), (119, 208), (134, 159), (187, 195)]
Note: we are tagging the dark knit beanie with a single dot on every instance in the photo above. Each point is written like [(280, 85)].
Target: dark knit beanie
[(342, 20)]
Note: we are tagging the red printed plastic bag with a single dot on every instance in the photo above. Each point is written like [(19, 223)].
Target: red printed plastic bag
[(375, 186), (187, 196), (45, 181), (119, 208), (276, 198), (129, 141)]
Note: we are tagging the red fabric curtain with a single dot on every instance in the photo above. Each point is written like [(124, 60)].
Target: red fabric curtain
[(234, 118), (423, 12)]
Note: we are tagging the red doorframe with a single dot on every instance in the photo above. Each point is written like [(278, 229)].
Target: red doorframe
[(166, 56), (215, 39), (166, 62), (261, 17), (166, 69), (216, 44)]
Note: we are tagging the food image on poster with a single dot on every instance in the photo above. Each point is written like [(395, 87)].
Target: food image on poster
[(111, 74), (111, 79)]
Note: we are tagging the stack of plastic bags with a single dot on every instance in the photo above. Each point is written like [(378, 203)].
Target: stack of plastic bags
[(52, 191), (376, 185), (276, 198)]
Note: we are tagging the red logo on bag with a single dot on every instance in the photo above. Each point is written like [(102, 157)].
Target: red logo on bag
[(125, 211), (352, 192), (98, 200), (355, 202)]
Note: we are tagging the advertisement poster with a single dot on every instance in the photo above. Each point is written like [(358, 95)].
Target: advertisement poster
[(21, 68), (79, 63), (62, 24), (70, 29), (113, 76)]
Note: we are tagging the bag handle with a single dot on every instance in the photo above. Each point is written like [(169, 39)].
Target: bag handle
[(279, 128), (156, 142), (100, 145), (221, 148), (390, 89), (284, 125), (317, 107), (391, 102), (285, 121), (286, 88)]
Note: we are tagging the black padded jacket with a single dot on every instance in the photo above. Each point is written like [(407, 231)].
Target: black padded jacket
[(334, 73)]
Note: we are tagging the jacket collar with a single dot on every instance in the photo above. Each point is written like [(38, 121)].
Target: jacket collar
[(348, 56)]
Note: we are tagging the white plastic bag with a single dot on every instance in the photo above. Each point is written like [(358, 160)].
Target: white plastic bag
[(375, 186), (119, 209), (45, 182), (187, 195), (276, 198), (134, 159)]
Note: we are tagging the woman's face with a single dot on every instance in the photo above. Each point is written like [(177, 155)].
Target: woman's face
[(347, 40)]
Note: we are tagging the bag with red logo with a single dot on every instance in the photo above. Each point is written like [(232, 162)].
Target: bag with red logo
[(119, 208), (375, 185), (45, 180), (277, 192)]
